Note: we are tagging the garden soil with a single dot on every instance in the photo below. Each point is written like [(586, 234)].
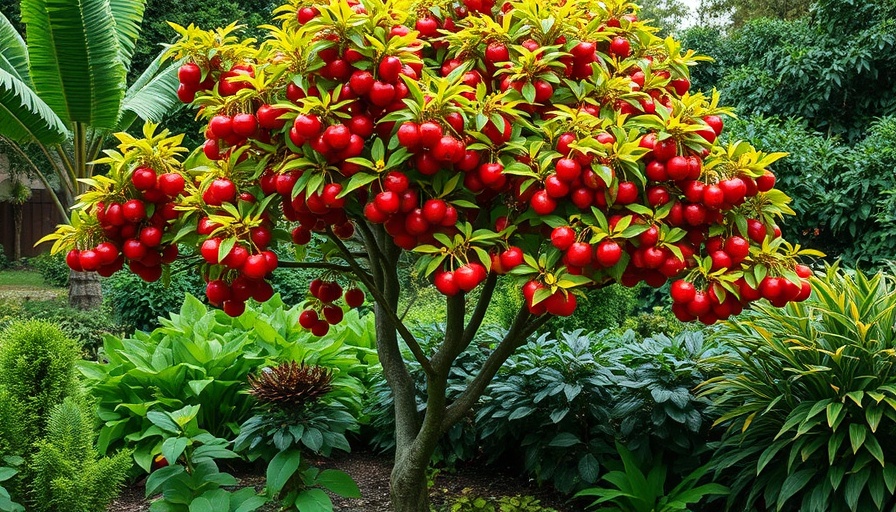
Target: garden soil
[(371, 472)]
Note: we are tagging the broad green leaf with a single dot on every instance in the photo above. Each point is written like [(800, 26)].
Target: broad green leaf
[(281, 468), (152, 96), (24, 117), (158, 478), (314, 500), (74, 60), (857, 435), (172, 448), (339, 483), (564, 440), (128, 15), (13, 52)]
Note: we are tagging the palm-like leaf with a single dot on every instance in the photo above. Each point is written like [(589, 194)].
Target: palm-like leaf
[(24, 117), (128, 15), (74, 55), (13, 52), (153, 95)]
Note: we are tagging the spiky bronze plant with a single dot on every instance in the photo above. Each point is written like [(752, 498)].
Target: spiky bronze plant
[(290, 385)]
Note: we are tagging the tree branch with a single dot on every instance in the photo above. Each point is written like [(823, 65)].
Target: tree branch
[(378, 296), (485, 298), (522, 327), (453, 345)]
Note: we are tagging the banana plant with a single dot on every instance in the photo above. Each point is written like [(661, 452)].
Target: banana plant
[(64, 89)]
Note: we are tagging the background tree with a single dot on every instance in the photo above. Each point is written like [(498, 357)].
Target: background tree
[(552, 145), (737, 12), (65, 91)]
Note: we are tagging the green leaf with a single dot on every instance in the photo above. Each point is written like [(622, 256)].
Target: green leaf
[(589, 468), (24, 117), (153, 95), (339, 483), (127, 14), (158, 478), (7, 473), (172, 448), (857, 434), (793, 484), (13, 52), (564, 440), (313, 500), (520, 412), (74, 57), (281, 468), (163, 421)]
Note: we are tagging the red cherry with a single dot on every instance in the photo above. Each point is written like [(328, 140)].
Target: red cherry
[(354, 297), (244, 125), (511, 258), (209, 250), (563, 237), (171, 183), (430, 134), (133, 210), (756, 230), (333, 314), (542, 203), (234, 308), (579, 254), (560, 304), (766, 182), (608, 253), (445, 284), (682, 291), (620, 47), (320, 328), (143, 178), (217, 292)]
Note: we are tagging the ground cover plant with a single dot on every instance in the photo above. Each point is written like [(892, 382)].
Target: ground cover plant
[(555, 146)]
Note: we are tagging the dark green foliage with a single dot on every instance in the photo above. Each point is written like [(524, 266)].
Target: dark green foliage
[(52, 268), (655, 405), (460, 442), (566, 401), (551, 404), (37, 369), (6, 502), (87, 328), (832, 70), (604, 308), (4, 260), (202, 357), (808, 398), (135, 302), (68, 474)]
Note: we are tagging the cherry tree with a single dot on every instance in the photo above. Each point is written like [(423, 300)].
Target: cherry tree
[(554, 144)]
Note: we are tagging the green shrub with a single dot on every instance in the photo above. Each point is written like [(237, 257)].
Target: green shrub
[(52, 268), (202, 357), (551, 404), (4, 260), (37, 369), (467, 502), (808, 398), (135, 302), (68, 475), (87, 328), (634, 490), (565, 402)]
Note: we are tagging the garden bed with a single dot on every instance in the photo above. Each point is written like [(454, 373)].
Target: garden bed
[(371, 472)]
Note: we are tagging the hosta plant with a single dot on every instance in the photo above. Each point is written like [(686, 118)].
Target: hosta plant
[(553, 144), (809, 400), (203, 357)]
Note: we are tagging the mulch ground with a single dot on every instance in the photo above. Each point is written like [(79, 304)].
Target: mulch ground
[(371, 472)]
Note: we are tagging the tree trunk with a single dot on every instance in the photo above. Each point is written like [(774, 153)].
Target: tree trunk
[(17, 221), (84, 290)]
